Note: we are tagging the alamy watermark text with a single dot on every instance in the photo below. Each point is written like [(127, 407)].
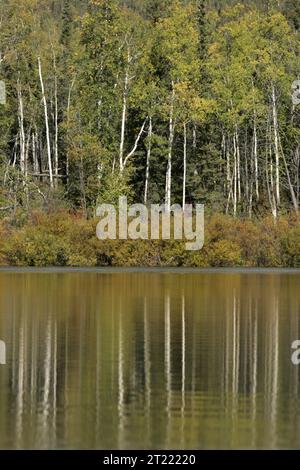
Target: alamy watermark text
[(138, 222)]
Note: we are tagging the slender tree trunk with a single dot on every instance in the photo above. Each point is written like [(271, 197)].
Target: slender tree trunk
[(171, 140), (55, 122), (238, 164), (223, 155), (68, 125), (194, 138), (21, 130), (82, 185), (15, 151), (125, 160), (123, 122), (36, 169), (234, 176), (46, 123), (148, 161), (255, 146), (276, 145), (291, 187), (278, 150), (228, 167), (184, 164), (272, 186), (297, 164), (269, 174), (248, 175), (27, 146)]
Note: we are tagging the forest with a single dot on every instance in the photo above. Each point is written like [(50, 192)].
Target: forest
[(162, 101)]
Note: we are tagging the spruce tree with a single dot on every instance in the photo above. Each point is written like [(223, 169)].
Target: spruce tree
[(66, 23)]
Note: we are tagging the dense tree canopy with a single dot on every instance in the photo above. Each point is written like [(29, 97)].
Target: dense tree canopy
[(172, 101)]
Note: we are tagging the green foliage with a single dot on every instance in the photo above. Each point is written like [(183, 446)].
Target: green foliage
[(34, 248), (213, 78), (61, 239), (290, 247), (113, 187)]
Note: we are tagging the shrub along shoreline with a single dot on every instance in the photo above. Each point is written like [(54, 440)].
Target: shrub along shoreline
[(64, 239)]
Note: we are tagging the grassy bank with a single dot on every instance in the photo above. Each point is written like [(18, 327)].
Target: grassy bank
[(64, 239)]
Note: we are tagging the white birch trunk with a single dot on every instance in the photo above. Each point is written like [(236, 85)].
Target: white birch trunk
[(55, 122), (171, 140), (234, 177), (123, 122), (21, 130), (269, 176), (68, 123), (46, 123), (291, 187), (238, 165), (129, 155), (255, 147), (36, 169), (148, 161)]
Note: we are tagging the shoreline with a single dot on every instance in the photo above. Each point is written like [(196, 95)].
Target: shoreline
[(144, 270)]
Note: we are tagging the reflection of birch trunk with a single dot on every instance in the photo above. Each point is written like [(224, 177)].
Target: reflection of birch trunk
[(228, 342), (232, 358), (47, 368), (54, 381), (34, 365), (20, 385), (235, 360), (168, 343), (271, 363), (294, 333), (183, 346), (274, 366), (234, 335), (98, 377), (253, 366), (168, 360), (194, 367), (183, 370), (121, 391), (236, 345), (14, 364), (254, 352), (147, 364)]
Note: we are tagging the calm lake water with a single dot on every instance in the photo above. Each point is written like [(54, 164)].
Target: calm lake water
[(149, 360)]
